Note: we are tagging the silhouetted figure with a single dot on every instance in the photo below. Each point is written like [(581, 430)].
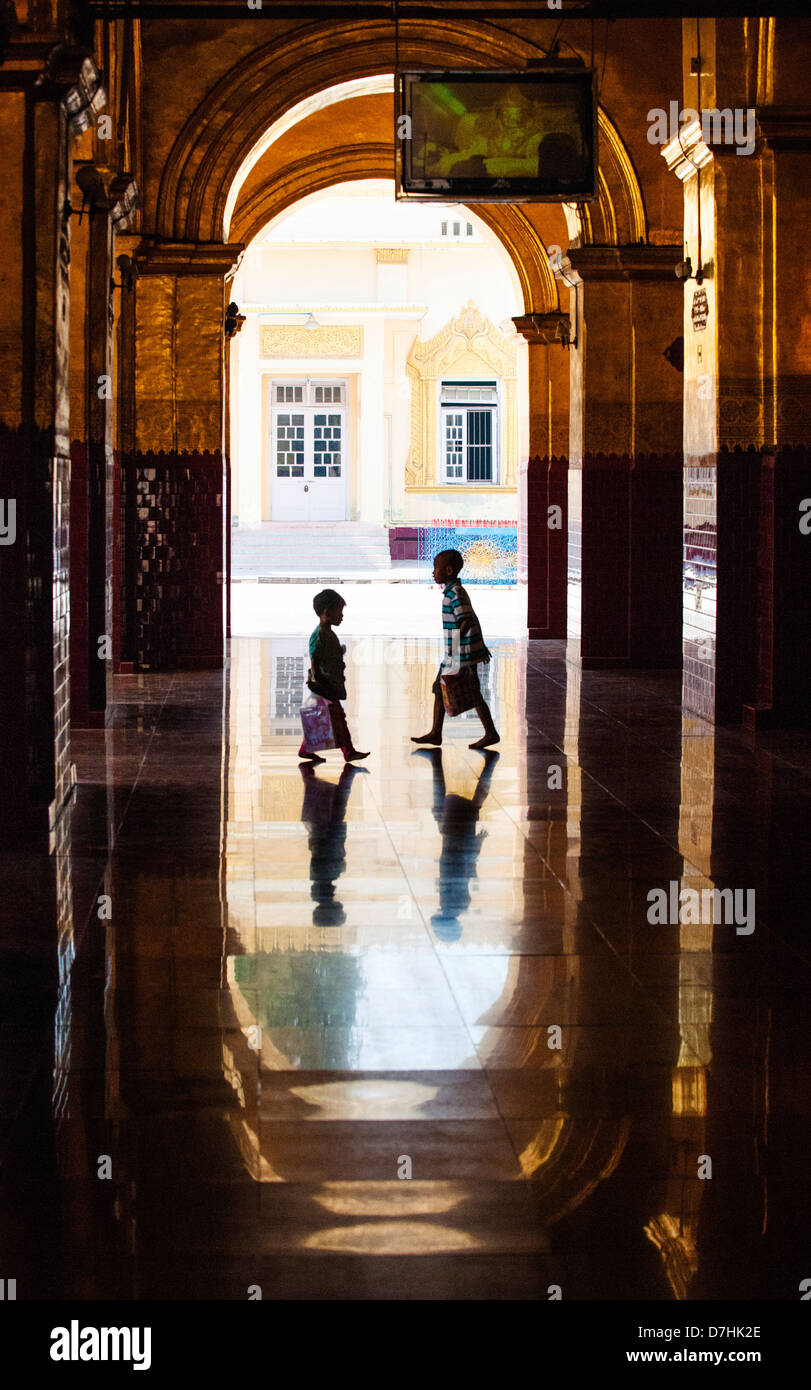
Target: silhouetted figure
[(559, 158), (457, 818), (327, 673), (323, 811)]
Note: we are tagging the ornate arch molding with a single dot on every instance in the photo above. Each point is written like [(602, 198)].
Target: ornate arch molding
[(347, 163), (234, 115), (339, 164), (466, 344), (240, 108), (618, 218)]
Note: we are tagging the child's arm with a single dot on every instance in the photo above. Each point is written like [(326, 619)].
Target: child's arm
[(320, 681)]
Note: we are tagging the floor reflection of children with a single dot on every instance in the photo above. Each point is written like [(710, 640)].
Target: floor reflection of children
[(323, 812), (457, 818)]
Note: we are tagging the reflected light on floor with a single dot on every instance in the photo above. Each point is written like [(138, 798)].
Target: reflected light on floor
[(536, 1154), (353, 1099), (392, 1238), (389, 1198)]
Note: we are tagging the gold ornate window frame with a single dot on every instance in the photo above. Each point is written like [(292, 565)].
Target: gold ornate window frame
[(462, 348)]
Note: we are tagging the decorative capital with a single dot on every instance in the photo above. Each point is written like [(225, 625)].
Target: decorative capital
[(107, 191), (188, 258), (392, 255), (643, 262), (72, 73), (543, 328)]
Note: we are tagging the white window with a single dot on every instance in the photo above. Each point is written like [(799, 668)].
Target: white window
[(456, 229), (469, 434)]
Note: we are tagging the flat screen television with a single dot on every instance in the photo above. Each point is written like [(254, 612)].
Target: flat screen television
[(488, 137)]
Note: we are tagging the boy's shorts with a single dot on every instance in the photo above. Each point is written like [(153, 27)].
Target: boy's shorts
[(436, 688)]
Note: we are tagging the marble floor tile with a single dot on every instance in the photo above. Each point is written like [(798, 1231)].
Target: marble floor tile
[(406, 1031)]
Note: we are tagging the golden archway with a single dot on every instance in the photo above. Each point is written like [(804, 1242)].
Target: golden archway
[(256, 92)]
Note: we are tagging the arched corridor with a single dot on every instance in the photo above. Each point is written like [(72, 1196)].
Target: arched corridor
[(446, 1023)]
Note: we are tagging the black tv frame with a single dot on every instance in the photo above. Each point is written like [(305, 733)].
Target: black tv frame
[(492, 189)]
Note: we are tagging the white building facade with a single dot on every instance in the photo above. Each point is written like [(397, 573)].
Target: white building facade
[(377, 377)]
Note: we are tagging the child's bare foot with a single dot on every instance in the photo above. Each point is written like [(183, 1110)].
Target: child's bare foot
[(433, 737), (309, 759), (486, 740), (353, 755)]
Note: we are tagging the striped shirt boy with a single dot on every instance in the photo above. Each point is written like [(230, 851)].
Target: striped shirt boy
[(465, 650)]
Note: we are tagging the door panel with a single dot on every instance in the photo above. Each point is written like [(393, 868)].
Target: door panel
[(328, 488), (308, 452), (288, 467)]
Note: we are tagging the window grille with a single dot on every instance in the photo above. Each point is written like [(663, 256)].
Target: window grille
[(469, 431)]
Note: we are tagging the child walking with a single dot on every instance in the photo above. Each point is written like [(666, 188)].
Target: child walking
[(327, 672), (464, 647)]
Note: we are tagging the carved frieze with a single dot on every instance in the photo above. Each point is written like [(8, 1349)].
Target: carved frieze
[(292, 340)]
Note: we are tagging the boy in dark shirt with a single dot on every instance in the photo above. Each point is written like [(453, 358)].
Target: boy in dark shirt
[(327, 669)]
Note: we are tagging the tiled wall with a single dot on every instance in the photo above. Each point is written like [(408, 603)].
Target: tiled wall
[(490, 548), (747, 577), (79, 503), (173, 560), (61, 632), (35, 624), (624, 561), (13, 624), (791, 630), (542, 547), (490, 551)]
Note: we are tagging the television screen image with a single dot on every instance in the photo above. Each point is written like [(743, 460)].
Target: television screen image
[(498, 137)]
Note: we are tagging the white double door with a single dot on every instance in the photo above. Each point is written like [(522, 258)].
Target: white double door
[(308, 455)]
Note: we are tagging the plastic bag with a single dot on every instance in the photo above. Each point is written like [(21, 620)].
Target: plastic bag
[(460, 693), (316, 722)]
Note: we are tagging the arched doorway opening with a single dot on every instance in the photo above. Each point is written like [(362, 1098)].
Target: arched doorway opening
[(227, 178), (378, 381)]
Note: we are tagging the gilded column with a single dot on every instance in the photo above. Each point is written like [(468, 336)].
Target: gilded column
[(176, 468), (624, 457)]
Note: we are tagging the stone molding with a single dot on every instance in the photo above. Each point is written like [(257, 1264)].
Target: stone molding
[(785, 127), (625, 262), (542, 328), (463, 345), (188, 258)]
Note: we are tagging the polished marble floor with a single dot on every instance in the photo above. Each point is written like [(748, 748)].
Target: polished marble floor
[(405, 1030)]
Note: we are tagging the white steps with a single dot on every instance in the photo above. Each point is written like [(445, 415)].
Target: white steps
[(331, 548)]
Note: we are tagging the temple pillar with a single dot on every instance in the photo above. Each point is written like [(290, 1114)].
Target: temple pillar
[(542, 512), (174, 461), (624, 530), (40, 111), (747, 402), (109, 201)]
